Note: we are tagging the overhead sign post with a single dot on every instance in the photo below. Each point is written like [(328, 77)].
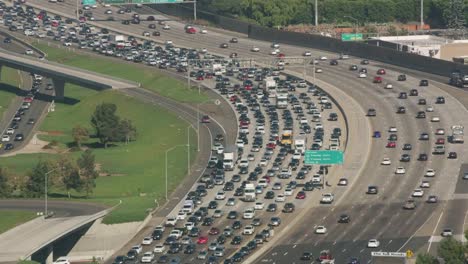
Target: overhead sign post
[(323, 157), (351, 37)]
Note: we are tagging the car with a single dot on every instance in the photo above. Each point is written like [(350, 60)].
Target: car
[(137, 248), (414, 92), (248, 230), (405, 158), (224, 45), (407, 146), (343, 182), (202, 254), (430, 173), (381, 71), (425, 184), (307, 54), (344, 219), (401, 110), (327, 198), (234, 40), (301, 195), (323, 58), (409, 205), (159, 248), (202, 240), (372, 190), (147, 257), (435, 119), (447, 232), (280, 198), (320, 230), (391, 144), (400, 170), (424, 83), (371, 112), (418, 193), (255, 49), (61, 260), (440, 100), (362, 75), (288, 208), (422, 157), (373, 243), (440, 131), (432, 199), (401, 77), (275, 221), (378, 79), (452, 155), (424, 136), (429, 109), (306, 256), (6, 138), (377, 134), (386, 161), (147, 241), (221, 195)]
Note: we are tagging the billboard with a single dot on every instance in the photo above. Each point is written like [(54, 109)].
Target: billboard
[(351, 37), (117, 2)]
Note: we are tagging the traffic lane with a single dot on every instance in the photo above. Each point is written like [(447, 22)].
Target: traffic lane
[(60, 208), (454, 218), (462, 184)]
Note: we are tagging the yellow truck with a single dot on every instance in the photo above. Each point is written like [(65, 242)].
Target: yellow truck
[(287, 138)]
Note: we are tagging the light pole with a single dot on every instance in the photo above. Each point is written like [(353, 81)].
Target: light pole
[(167, 151), (356, 25), (422, 14), (46, 177), (316, 13), (217, 102)]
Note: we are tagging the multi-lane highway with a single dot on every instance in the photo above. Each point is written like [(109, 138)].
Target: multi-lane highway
[(372, 216)]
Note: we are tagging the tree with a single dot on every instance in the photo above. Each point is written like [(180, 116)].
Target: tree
[(35, 186), (87, 170), (80, 134), (5, 189), (452, 251), (70, 175), (105, 122), (126, 131), (425, 258), (454, 14)]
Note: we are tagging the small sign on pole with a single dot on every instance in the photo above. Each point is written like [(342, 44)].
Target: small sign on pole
[(388, 254)]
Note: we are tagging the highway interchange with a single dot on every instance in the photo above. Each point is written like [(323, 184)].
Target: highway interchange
[(372, 216)]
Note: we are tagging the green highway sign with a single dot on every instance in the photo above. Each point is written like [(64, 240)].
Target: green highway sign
[(116, 2), (351, 37), (323, 157), (89, 2)]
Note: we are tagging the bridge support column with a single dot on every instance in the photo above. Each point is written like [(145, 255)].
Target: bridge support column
[(49, 254), (1, 67), (59, 86)]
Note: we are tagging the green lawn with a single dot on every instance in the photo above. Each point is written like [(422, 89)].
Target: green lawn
[(135, 170), (11, 77), (150, 79), (12, 218)]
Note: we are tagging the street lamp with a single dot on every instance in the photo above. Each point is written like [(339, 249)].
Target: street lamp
[(167, 151), (356, 25), (422, 14), (217, 102), (46, 177)]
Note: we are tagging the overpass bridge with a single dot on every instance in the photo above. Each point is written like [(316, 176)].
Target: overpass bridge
[(61, 74), (36, 239)]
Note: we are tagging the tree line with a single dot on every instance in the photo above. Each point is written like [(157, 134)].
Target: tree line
[(273, 13), (449, 250)]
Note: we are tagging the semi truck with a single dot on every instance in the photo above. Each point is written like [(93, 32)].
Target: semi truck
[(269, 86), (300, 143), (228, 161), (457, 134), (249, 192)]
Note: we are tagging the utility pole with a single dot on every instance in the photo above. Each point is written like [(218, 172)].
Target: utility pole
[(77, 10), (316, 13), (195, 10), (188, 150), (422, 14)]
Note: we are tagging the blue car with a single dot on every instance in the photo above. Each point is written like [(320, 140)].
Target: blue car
[(377, 134), (353, 261)]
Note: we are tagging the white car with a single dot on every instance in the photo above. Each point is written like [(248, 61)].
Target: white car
[(323, 58), (435, 119), (166, 27), (137, 248), (447, 232), (418, 193), (189, 225), (147, 241), (392, 129), (160, 228), (362, 75), (176, 233), (181, 215), (29, 52), (280, 198), (171, 221), (244, 163), (307, 54), (386, 161), (343, 182), (318, 70), (263, 162), (62, 260), (259, 206), (274, 52), (249, 213), (320, 230), (425, 184), (148, 257), (203, 31), (248, 230), (373, 243), (400, 170), (440, 131), (10, 131), (255, 49), (5, 138), (288, 192), (429, 109), (430, 173), (221, 195), (169, 42), (388, 86), (159, 248), (327, 198)]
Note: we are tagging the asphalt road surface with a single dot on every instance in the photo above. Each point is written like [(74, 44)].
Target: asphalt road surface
[(60, 208)]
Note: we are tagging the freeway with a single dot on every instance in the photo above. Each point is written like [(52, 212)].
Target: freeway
[(377, 216)]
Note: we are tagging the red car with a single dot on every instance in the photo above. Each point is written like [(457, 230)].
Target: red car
[(301, 195), (213, 231), (205, 119), (391, 144), (271, 145), (233, 98), (440, 141), (267, 178), (202, 240), (28, 99), (200, 78), (248, 87), (378, 79), (381, 72), (209, 76), (191, 30), (244, 123), (281, 55)]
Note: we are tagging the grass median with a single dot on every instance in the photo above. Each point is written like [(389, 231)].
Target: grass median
[(12, 218), (10, 81), (149, 78)]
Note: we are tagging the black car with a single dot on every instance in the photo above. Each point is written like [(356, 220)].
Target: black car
[(372, 190), (422, 157), (421, 114), (119, 260), (175, 248), (344, 219), (156, 33), (157, 234), (189, 249), (306, 256), (272, 207), (270, 195), (405, 158), (9, 146), (403, 95), (401, 110), (31, 121), (236, 240), (452, 155), (224, 45), (440, 100), (234, 40), (401, 77), (334, 62), (236, 225), (364, 62), (132, 255), (333, 117), (407, 146), (7, 40), (422, 101), (353, 68), (424, 83), (414, 92)]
